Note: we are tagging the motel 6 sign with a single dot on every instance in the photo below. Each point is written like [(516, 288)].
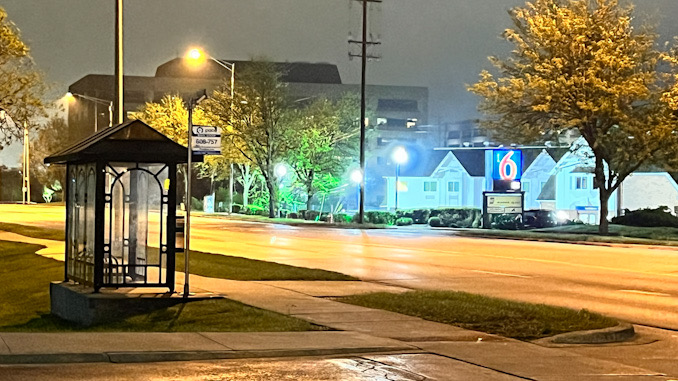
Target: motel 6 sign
[(507, 165)]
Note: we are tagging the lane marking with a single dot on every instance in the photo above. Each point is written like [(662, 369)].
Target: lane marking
[(646, 293), (502, 274)]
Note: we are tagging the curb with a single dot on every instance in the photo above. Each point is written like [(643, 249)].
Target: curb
[(163, 356), (617, 334), (574, 242)]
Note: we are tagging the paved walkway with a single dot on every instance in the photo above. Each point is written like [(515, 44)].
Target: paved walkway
[(359, 330)]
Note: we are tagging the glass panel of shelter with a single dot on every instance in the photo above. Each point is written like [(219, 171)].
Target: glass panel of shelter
[(135, 210), (81, 234)]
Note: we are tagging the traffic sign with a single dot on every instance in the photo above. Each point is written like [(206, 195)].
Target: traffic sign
[(206, 140)]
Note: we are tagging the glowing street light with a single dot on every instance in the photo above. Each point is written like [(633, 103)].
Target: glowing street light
[(71, 97), (197, 57), (280, 170), (357, 176), (400, 156)]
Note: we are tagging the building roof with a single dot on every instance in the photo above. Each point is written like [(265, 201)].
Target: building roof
[(133, 141), (548, 192), (292, 72), (424, 164), (472, 160)]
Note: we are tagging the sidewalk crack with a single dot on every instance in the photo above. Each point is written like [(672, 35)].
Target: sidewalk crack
[(214, 341), (6, 345)]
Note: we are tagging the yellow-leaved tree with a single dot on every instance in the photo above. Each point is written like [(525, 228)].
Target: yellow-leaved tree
[(582, 64)]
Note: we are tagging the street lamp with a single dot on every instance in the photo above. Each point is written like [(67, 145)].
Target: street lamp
[(96, 101), (197, 56), (400, 157)]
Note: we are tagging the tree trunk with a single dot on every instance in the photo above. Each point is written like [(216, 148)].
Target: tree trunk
[(603, 227), (272, 198), (309, 201)]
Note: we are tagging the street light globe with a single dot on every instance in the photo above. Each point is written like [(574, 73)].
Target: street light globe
[(357, 176), (194, 54), (400, 155), (280, 170)]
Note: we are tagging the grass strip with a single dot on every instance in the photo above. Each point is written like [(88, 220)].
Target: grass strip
[(238, 268), (24, 302), (523, 321), (292, 221), (33, 231)]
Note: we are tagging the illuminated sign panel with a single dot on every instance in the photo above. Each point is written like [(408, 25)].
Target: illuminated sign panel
[(507, 165), (500, 203)]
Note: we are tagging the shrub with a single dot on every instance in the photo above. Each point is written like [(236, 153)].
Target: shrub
[(420, 216), (292, 215), (380, 218), (505, 222), (647, 218), (196, 204), (404, 221), (236, 208), (311, 215), (302, 214), (342, 218), (458, 217), (435, 222)]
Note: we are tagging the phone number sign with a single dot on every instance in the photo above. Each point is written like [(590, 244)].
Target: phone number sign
[(507, 165), (206, 140)]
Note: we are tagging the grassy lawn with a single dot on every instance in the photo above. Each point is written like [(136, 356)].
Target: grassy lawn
[(33, 231), (25, 304), (237, 268), (517, 320), (586, 233)]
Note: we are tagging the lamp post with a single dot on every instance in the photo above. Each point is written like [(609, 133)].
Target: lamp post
[(197, 55), (192, 103), (96, 101), (400, 157), (357, 179)]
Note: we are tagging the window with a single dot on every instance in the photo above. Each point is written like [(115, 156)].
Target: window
[(430, 186), (380, 160), (542, 185), (526, 187), (453, 186), (581, 182)]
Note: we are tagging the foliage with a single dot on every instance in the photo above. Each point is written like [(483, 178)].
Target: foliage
[(343, 218), (325, 134), (435, 222), (21, 85), (647, 217), (404, 221), (581, 64), (457, 217), (378, 218), (170, 117), (52, 138), (505, 222), (255, 120), (196, 204)]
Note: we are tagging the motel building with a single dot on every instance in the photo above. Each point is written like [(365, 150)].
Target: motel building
[(558, 179)]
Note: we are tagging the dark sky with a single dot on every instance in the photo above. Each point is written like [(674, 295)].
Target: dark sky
[(440, 44)]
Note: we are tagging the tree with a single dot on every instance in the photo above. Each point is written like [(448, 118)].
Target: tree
[(52, 138), (326, 137), (580, 64), (255, 120), (21, 86)]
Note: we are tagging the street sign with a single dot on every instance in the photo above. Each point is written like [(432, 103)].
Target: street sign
[(206, 140)]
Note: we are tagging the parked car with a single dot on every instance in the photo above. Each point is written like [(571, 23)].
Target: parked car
[(538, 218)]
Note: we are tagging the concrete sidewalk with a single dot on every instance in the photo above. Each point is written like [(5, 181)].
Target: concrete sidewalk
[(361, 330)]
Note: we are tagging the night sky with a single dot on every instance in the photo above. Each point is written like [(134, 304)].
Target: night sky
[(440, 44)]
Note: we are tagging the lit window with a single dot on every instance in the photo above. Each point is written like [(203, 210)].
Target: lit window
[(581, 183), (453, 186), (430, 186)]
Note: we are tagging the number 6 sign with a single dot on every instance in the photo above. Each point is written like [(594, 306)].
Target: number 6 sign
[(507, 165)]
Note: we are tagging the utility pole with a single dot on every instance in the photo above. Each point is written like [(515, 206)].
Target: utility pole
[(119, 92), (26, 173), (363, 80)]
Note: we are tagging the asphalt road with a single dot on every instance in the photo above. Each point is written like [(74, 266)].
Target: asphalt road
[(637, 284)]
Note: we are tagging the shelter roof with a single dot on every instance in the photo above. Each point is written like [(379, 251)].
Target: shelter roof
[(133, 141)]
